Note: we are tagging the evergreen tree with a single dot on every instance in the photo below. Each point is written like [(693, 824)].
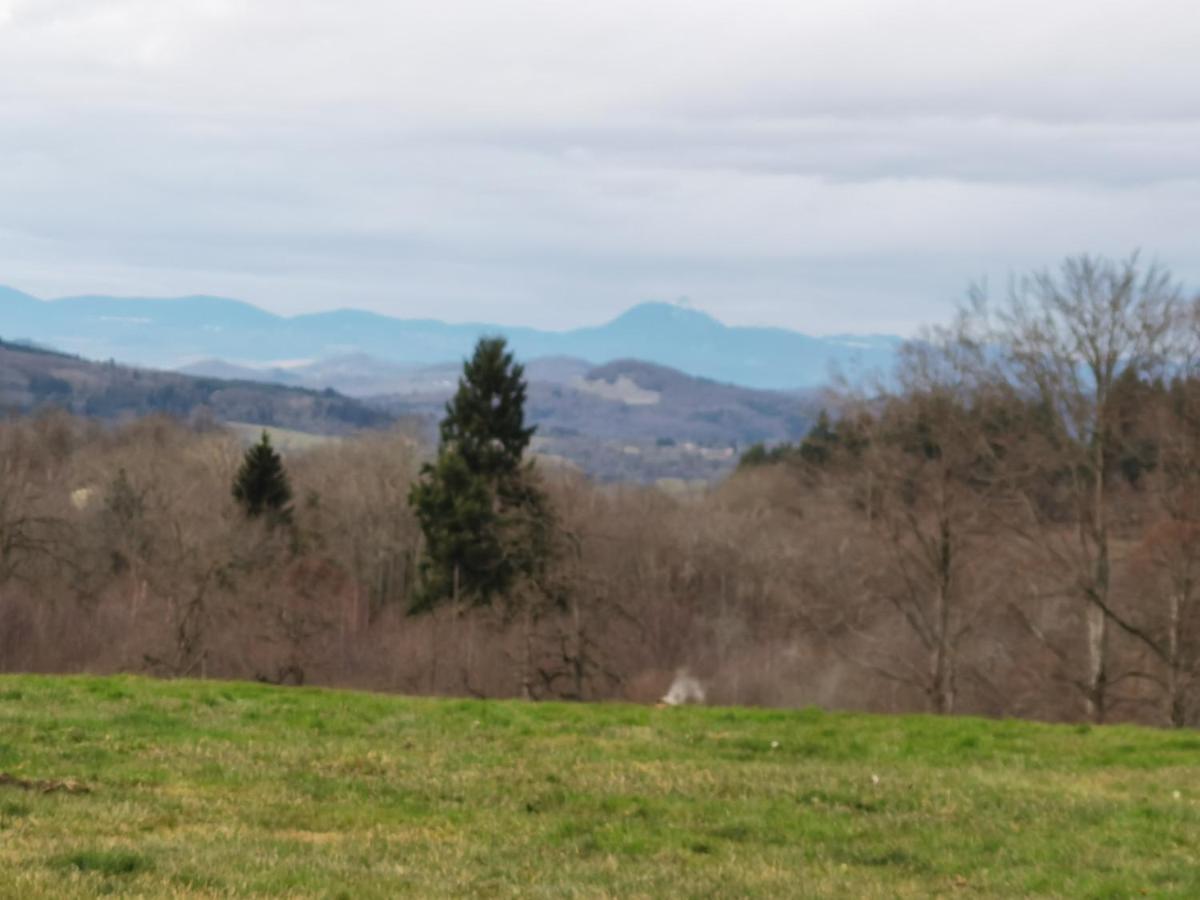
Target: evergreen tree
[(486, 522), (820, 442), (261, 485), (485, 422)]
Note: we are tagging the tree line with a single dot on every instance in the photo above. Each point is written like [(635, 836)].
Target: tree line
[(1009, 524), (1052, 432)]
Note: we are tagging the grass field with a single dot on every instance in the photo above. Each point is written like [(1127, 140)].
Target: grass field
[(127, 787)]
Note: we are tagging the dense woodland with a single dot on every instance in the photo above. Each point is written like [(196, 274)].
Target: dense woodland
[(1009, 525)]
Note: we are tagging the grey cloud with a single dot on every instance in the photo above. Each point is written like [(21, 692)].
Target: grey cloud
[(827, 166)]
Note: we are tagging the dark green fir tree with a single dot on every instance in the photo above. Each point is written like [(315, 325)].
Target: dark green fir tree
[(261, 486), (486, 522)]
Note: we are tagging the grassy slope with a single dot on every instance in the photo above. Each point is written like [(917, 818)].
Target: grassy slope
[(208, 789)]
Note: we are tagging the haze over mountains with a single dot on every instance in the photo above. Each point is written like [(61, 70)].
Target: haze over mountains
[(662, 391), (213, 331)]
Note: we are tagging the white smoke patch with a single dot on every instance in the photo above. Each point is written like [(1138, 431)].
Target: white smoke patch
[(684, 689)]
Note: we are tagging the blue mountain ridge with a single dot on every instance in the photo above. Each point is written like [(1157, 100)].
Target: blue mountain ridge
[(173, 332)]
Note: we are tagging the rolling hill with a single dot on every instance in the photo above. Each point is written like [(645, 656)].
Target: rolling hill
[(33, 379), (630, 420)]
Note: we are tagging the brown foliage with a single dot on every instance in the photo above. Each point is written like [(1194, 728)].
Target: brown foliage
[(900, 575)]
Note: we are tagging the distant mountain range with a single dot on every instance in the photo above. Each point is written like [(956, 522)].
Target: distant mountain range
[(218, 332), (660, 392), (628, 420)]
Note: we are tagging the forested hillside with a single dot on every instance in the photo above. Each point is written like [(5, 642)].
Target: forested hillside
[(34, 379), (634, 421)]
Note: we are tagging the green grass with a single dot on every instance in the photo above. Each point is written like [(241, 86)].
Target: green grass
[(211, 789)]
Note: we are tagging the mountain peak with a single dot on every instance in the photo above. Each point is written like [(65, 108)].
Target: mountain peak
[(12, 295), (664, 315)]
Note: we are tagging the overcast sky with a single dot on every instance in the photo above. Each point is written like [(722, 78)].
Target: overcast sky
[(825, 165)]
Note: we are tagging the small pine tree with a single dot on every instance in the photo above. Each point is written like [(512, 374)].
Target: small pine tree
[(486, 523), (820, 443), (261, 486)]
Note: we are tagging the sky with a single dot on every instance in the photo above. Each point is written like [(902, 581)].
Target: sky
[(842, 166)]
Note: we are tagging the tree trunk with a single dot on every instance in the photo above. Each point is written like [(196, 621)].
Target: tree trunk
[(943, 676), (433, 652), (578, 664), (1096, 619), (1096, 686), (527, 663), (469, 665), (943, 662), (1175, 707)]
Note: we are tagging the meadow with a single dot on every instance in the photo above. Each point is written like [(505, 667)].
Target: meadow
[(128, 786)]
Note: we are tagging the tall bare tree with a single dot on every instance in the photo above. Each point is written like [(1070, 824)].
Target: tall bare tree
[(1065, 339), (1164, 616), (923, 518)]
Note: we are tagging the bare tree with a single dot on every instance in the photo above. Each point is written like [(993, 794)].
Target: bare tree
[(1168, 572), (925, 456), (1064, 340), (1165, 578)]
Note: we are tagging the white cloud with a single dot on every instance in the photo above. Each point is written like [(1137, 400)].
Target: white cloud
[(822, 165)]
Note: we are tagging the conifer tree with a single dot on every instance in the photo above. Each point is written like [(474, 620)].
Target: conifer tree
[(818, 445), (261, 486), (485, 521), (485, 421)]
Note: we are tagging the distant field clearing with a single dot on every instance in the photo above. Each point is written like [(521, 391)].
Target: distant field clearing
[(624, 389), (283, 438)]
